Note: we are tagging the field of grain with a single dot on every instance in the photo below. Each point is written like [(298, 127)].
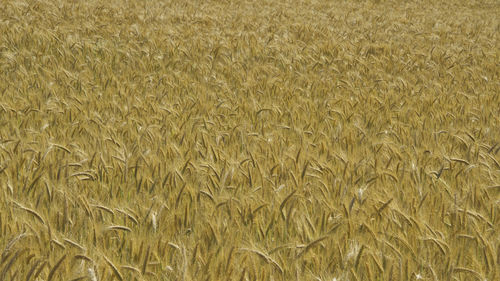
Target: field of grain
[(249, 140)]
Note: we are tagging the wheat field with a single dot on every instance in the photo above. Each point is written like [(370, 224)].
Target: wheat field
[(249, 140)]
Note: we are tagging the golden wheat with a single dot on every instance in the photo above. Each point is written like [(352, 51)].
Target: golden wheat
[(249, 140)]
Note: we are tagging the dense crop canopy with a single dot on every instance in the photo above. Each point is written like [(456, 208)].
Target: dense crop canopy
[(249, 140)]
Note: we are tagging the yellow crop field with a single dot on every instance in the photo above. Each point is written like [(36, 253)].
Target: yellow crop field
[(249, 140)]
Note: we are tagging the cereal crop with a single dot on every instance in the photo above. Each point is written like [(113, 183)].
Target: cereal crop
[(249, 140)]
